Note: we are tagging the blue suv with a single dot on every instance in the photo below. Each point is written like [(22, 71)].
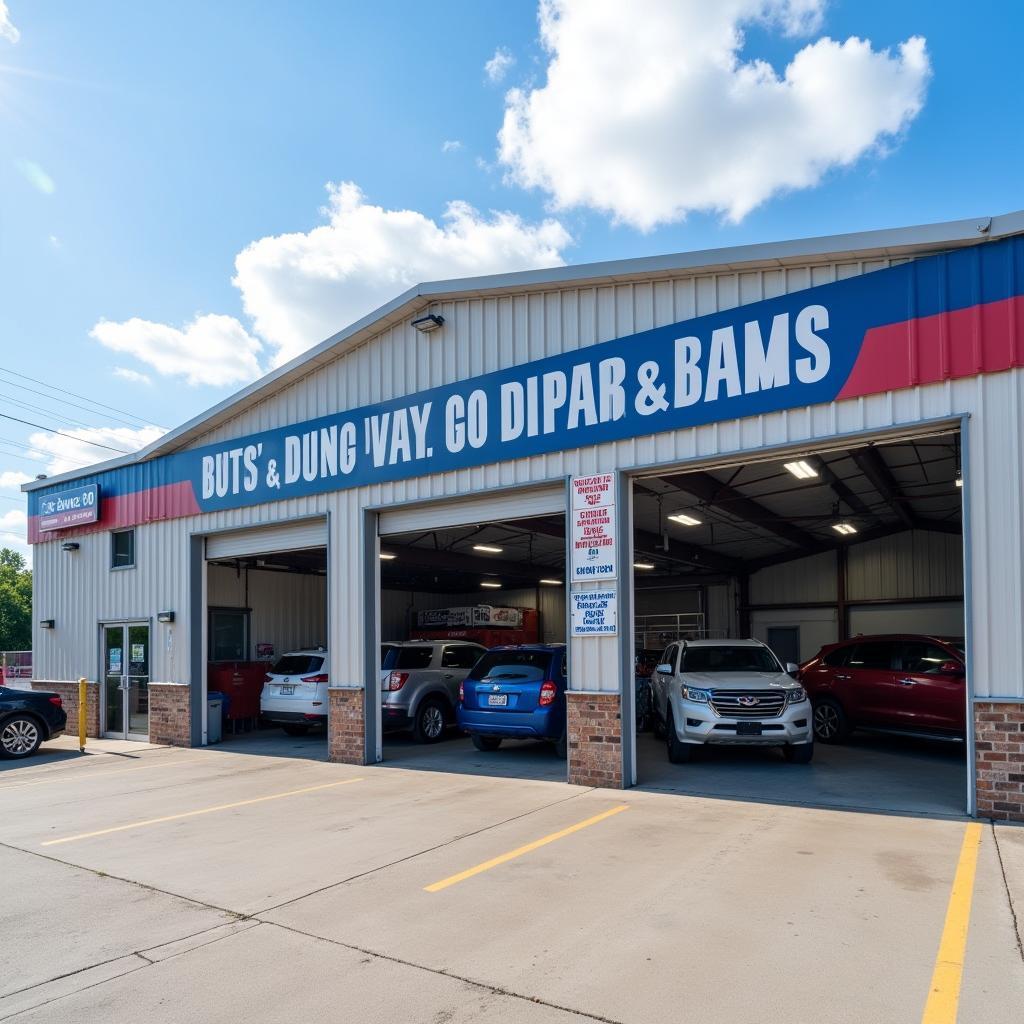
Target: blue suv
[(515, 693)]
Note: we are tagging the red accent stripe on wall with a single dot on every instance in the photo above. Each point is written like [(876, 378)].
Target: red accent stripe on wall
[(172, 501), (986, 338)]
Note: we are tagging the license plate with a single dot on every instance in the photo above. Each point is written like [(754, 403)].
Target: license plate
[(497, 700), (287, 691), (748, 728)]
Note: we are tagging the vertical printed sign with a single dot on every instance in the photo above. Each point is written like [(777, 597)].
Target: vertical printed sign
[(593, 528)]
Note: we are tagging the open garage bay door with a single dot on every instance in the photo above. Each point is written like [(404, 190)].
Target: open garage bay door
[(298, 535), (468, 511)]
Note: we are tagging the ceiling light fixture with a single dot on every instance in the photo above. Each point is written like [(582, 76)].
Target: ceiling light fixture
[(428, 323), (959, 480), (801, 469), (844, 528), (643, 565), (552, 583), (685, 520), (386, 556), (489, 548), (491, 586)]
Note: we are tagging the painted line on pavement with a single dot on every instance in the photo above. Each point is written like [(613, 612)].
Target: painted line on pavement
[(202, 810), (944, 994), (102, 773), (521, 850)]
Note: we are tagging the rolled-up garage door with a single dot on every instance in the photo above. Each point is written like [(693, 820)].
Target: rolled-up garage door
[(296, 535)]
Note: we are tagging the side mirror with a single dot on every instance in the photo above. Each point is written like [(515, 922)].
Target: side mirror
[(952, 668), (665, 669), (792, 669)]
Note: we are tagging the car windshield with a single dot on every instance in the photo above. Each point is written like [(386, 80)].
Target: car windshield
[(297, 664), (729, 659), (523, 666)]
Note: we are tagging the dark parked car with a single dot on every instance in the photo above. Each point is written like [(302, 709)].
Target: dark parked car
[(515, 693), (27, 718), (897, 682)]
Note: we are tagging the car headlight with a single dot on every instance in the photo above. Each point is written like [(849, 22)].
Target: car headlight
[(695, 694), (796, 696)]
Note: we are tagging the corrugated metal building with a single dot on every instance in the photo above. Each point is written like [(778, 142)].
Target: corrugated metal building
[(892, 335)]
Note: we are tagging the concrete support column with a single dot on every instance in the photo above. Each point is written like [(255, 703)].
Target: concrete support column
[(69, 698), (595, 739), (999, 759), (170, 714), (346, 725)]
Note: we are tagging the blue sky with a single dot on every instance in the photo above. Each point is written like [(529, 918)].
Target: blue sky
[(144, 146)]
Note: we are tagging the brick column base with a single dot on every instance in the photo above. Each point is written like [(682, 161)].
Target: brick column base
[(170, 714), (595, 739), (999, 759), (69, 697), (346, 726)]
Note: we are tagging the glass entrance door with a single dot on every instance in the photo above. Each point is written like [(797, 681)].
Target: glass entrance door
[(126, 680)]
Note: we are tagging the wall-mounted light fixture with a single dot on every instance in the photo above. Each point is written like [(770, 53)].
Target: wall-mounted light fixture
[(165, 616), (69, 545), (46, 623), (428, 323)]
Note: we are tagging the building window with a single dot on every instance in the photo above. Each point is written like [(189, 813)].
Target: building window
[(229, 634), (122, 549)]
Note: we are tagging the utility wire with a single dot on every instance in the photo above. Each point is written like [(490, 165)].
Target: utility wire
[(84, 408), (29, 451), (59, 433), (32, 407), (64, 391)]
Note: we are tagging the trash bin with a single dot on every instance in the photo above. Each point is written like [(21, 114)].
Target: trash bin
[(214, 718)]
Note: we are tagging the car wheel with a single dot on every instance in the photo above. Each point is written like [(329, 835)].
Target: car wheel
[(20, 737), (295, 730), (428, 726), (486, 742), (830, 722), (678, 752), (798, 753)]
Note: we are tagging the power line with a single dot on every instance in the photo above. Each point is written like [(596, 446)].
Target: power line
[(84, 408), (64, 391), (70, 437), (29, 451), (32, 407)]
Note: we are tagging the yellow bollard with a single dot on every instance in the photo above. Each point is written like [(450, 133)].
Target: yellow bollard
[(83, 696)]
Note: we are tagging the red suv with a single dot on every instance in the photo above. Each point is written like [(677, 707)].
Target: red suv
[(897, 682)]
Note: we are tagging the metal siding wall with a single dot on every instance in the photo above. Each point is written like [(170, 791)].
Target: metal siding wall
[(908, 565), (490, 333), (806, 579)]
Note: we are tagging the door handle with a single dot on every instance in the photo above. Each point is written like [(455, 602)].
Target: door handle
[(907, 682)]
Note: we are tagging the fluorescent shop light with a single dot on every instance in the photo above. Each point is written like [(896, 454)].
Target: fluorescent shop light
[(844, 528), (386, 556), (801, 469), (491, 586), (643, 565), (552, 583), (489, 548), (685, 520)]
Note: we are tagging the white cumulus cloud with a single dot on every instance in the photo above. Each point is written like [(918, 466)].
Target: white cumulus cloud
[(72, 449), (8, 30), (451, 146), (211, 349), (499, 65), (651, 111), (300, 288), (11, 479), (132, 376)]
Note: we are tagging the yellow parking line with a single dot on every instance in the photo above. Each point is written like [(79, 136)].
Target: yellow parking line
[(519, 851), (202, 810), (944, 995)]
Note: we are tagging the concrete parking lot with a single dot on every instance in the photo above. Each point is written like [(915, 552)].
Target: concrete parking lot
[(228, 884)]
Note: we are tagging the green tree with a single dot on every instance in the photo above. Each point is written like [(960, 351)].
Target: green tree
[(15, 602)]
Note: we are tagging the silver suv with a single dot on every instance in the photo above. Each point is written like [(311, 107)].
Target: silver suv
[(420, 684), (733, 692)]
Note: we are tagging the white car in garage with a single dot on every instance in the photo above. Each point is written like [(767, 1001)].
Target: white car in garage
[(295, 691), (733, 692)]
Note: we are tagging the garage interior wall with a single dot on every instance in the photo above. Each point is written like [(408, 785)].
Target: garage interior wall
[(289, 610), (913, 568), (398, 608)]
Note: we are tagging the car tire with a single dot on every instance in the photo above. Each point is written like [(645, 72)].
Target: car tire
[(20, 736), (485, 742), (295, 730), (428, 725), (678, 752), (830, 722), (798, 753)]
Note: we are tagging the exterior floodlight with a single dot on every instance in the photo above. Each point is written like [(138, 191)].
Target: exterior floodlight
[(69, 545), (46, 623), (428, 323), (801, 469), (165, 616)]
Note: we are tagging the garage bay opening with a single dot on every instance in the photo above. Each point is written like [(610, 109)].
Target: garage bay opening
[(799, 628), (473, 666)]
